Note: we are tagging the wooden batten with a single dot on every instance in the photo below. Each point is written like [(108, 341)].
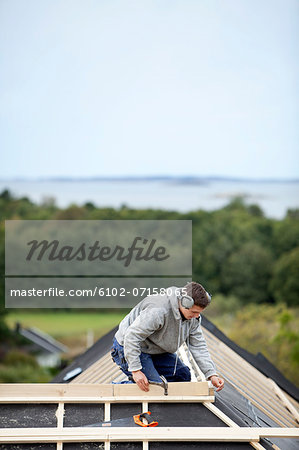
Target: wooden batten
[(174, 389), (101, 393), (49, 391), (123, 434)]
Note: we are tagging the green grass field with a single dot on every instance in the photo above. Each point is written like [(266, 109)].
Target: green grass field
[(59, 324), (68, 327)]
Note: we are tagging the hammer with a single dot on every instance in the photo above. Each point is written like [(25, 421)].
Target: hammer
[(163, 384)]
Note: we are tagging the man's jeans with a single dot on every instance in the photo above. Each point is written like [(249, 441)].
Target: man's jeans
[(153, 365)]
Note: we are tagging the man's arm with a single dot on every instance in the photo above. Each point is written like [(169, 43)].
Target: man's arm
[(216, 381), (143, 326), (200, 352), (141, 380)]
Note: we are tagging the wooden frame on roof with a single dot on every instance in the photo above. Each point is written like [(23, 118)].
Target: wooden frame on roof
[(103, 393), (125, 434), (252, 384)]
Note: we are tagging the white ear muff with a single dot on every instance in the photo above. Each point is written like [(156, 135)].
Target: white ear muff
[(187, 301)]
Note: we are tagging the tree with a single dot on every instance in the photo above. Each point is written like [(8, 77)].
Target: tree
[(285, 281), (272, 330), (3, 327), (286, 235), (247, 273)]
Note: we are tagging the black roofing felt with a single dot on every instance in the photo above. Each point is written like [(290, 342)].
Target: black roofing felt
[(101, 446), (28, 446), (28, 415), (200, 446), (229, 401), (232, 403), (259, 361)]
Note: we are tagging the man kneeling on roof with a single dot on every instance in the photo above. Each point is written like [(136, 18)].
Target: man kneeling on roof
[(148, 338)]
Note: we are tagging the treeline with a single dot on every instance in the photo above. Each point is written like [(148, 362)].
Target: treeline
[(249, 263), (237, 251)]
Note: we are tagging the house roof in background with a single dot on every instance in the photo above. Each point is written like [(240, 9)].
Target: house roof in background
[(41, 339), (89, 357)]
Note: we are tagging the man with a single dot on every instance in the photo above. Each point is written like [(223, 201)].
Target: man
[(148, 338)]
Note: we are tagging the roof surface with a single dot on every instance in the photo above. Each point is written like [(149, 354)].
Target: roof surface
[(251, 398)]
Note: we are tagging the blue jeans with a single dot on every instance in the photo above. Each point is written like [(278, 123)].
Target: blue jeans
[(153, 365)]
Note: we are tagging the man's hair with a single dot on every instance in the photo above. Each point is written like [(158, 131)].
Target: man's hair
[(200, 296)]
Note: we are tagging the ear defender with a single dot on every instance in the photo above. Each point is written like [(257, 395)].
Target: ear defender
[(209, 297), (186, 301)]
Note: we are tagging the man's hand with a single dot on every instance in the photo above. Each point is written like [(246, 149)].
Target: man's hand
[(141, 380), (217, 382)]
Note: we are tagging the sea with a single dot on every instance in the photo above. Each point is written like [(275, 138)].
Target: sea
[(181, 194)]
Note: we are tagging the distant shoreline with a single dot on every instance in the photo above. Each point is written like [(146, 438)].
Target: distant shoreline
[(182, 194), (189, 180)]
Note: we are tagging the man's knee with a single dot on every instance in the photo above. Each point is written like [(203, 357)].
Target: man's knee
[(183, 373)]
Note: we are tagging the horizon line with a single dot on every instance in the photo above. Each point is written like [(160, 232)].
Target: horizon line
[(181, 178)]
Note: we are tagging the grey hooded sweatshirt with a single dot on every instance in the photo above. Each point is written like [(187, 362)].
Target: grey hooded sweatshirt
[(155, 326)]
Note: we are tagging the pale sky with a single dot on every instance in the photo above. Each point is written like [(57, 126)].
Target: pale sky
[(187, 87)]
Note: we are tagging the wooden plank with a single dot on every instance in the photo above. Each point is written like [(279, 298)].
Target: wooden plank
[(284, 400), (144, 407), (96, 371), (93, 393), (269, 402), (119, 399), (183, 355), (233, 358), (233, 362), (107, 377), (250, 383), (292, 400), (123, 434), (200, 377), (107, 412), (99, 376), (174, 389), (229, 422), (278, 432), (96, 393), (163, 398), (257, 403), (62, 391), (59, 415), (220, 414), (120, 376), (194, 367)]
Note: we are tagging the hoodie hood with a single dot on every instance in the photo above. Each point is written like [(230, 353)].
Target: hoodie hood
[(174, 301)]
